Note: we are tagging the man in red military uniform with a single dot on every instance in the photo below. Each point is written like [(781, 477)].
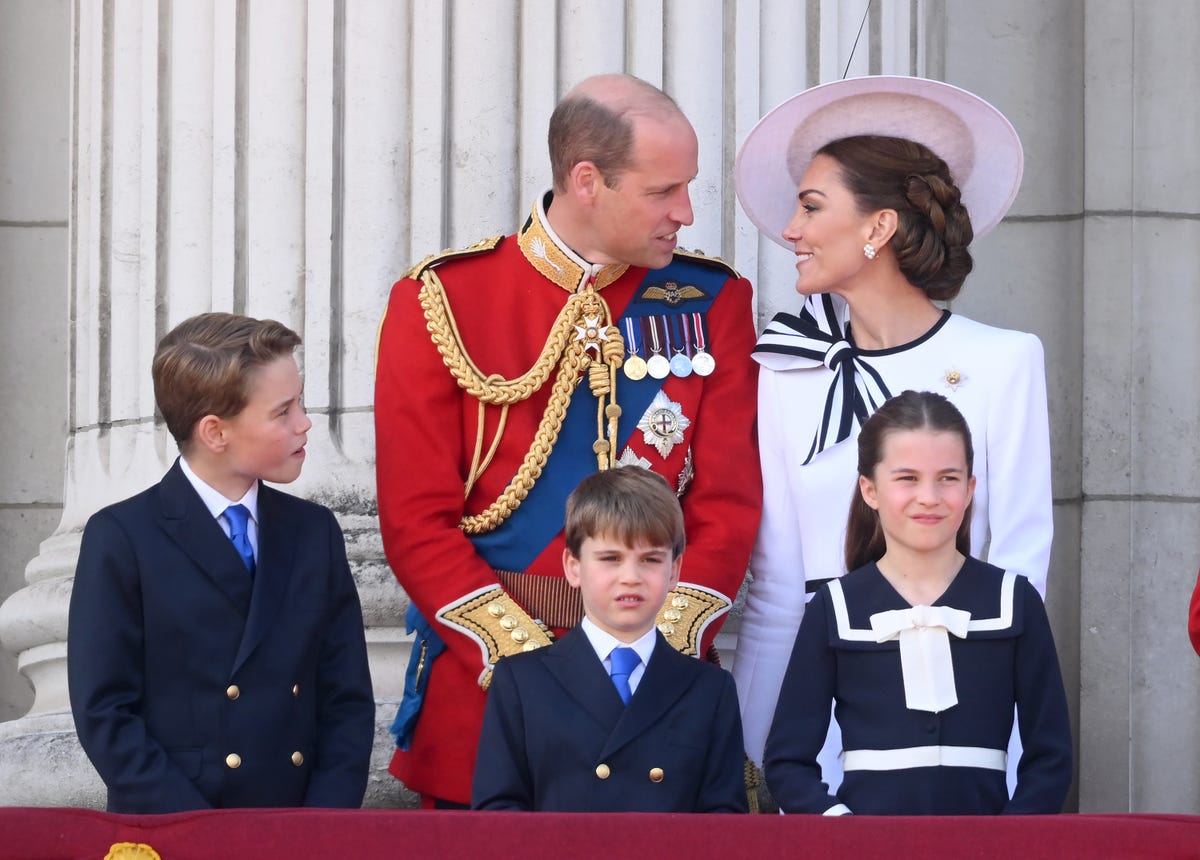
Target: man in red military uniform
[(510, 370)]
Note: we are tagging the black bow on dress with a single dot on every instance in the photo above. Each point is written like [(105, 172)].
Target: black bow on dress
[(817, 338)]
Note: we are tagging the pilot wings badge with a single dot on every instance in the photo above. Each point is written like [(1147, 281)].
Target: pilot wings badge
[(671, 293)]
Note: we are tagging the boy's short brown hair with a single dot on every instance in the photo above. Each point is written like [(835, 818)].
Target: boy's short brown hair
[(205, 365), (632, 504)]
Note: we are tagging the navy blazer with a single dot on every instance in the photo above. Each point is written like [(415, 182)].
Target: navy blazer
[(194, 685), (556, 735)]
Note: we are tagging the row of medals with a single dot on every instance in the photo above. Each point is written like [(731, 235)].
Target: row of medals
[(658, 366)]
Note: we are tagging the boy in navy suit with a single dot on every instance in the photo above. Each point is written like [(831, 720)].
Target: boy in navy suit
[(611, 718), (216, 655)]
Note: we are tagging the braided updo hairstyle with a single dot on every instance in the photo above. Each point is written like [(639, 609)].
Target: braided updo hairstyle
[(933, 229)]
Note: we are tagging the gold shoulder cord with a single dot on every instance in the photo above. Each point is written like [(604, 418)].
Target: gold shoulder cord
[(587, 317)]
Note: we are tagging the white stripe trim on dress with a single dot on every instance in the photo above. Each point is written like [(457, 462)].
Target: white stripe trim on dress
[(931, 756), (865, 634)]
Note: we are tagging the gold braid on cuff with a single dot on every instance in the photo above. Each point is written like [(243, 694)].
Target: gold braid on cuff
[(500, 626), (686, 613)]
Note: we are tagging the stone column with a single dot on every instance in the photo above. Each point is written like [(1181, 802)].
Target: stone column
[(1098, 257), (208, 173), (1141, 408), (1027, 272), (33, 294)]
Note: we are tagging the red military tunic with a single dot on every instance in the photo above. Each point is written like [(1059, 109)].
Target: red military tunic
[(505, 301), (1194, 617)]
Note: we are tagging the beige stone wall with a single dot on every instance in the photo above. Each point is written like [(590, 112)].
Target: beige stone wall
[(1028, 273), (1141, 406)]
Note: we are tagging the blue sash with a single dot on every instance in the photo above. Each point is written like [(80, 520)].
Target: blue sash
[(521, 538), (427, 645)]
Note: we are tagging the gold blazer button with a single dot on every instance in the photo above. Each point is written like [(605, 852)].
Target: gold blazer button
[(603, 771), (297, 758), (233, 761), (656, 774), (295, 689), (232, 692)]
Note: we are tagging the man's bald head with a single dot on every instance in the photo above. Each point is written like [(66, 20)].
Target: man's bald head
[(595, 122)]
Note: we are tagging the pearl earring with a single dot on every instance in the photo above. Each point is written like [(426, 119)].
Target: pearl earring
[(869, 251)]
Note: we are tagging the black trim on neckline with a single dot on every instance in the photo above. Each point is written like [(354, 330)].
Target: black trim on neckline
[(902, 347)]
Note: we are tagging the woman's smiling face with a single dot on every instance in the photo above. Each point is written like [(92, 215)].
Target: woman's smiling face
[(828, 231)]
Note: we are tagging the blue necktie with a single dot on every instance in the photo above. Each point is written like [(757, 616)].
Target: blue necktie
[(238, 516), (623, 661)]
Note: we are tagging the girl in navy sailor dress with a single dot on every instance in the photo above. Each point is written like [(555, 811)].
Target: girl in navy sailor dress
[(922, 649)]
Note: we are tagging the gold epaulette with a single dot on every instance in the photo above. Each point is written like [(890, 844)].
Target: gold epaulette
[(701, 257), (498, 624), (488, 244), (686, 613)]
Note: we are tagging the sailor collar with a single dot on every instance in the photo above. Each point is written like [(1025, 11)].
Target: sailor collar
[(551, 256)]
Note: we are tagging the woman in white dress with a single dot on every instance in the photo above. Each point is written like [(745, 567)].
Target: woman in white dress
[(878, 185)]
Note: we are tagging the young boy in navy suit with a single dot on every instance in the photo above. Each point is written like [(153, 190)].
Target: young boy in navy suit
[(612, 718), (216, 655)]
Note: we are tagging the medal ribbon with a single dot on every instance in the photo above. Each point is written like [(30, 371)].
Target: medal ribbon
[(679, 329), (632, 332), (699, 323), (669, 346), (652, 324)]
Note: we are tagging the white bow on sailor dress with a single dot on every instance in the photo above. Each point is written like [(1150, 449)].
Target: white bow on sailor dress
[(924, 634)]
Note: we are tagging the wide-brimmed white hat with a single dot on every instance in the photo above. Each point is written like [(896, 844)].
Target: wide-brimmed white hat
[(976, 141)]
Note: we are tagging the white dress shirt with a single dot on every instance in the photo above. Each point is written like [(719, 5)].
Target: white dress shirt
[(604, 643), (217, 503)]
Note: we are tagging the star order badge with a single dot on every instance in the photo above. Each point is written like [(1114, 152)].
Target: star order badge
[(663, 424)]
